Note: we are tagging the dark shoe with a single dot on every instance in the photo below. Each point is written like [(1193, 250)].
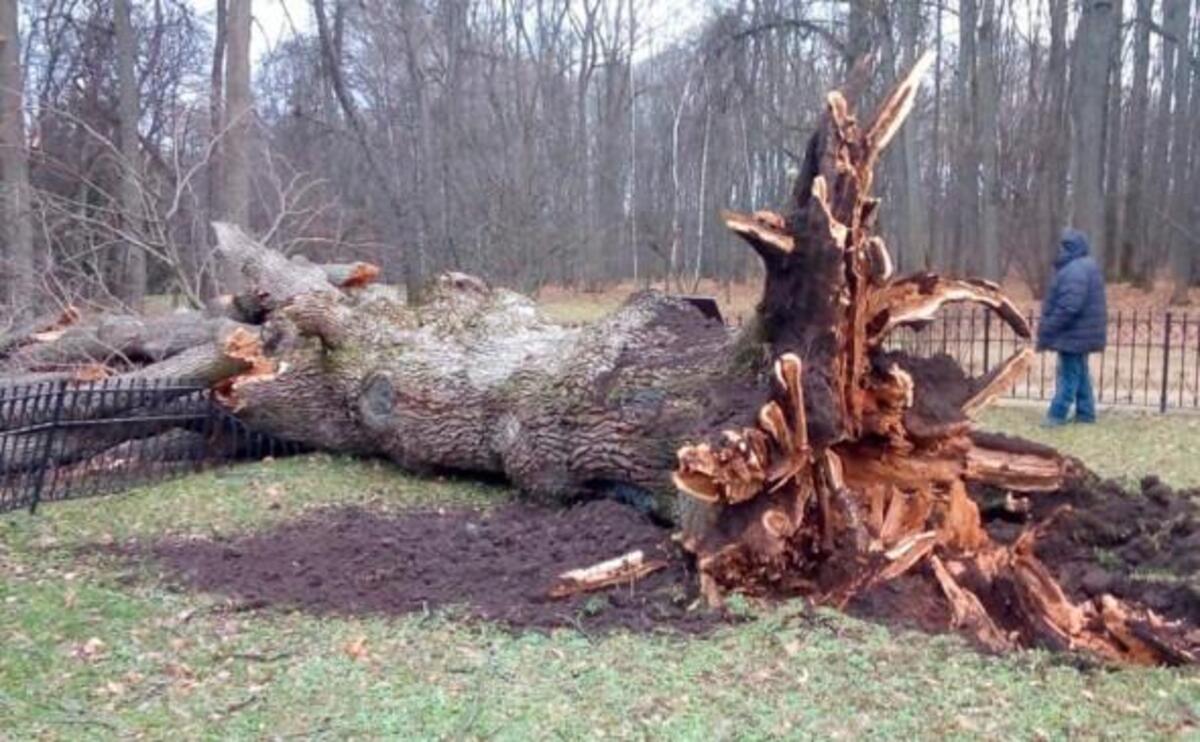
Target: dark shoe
[(1084, 420), (1052, 422)]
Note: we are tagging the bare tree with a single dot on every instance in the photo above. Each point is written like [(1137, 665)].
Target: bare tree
[(14, 167), (1113, 143), (132, 259), (1179, 195), (1133, 228), (987, 134), (966, 204), (216, 105), (916, 233), (239, 114), (1089, 67)]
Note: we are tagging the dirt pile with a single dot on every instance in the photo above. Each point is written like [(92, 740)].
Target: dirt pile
[(498, 565), (494, 565), (1142, 546)]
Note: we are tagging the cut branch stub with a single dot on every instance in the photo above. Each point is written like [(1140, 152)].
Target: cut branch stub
[(763, 230)]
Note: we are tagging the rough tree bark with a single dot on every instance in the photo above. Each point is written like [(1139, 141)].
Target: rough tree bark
[(798, 456)]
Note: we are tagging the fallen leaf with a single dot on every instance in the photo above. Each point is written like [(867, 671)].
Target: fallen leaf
[(356, 649), (91, 650)]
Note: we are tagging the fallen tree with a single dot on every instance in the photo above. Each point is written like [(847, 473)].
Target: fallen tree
[(798, 456)]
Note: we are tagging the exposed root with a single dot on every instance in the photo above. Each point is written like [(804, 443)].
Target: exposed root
[(880, 489), (917, 300), (998, 381), (969, 613)]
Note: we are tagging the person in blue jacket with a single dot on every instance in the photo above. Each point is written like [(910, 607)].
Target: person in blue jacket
[(1074, 324)]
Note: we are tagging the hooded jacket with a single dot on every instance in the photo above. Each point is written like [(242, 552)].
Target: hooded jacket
[(1075, 310)]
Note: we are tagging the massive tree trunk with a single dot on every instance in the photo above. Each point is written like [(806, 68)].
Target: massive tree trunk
[(797, 457)]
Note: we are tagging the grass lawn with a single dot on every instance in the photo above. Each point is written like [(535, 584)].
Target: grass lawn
[(1122, 445), (92, 646)]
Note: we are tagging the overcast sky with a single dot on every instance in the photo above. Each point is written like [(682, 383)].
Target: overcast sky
[(271, 20), (664, 19)]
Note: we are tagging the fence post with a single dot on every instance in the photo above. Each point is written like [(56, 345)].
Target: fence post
[(987, 340), (1166, 364), (43, 466)]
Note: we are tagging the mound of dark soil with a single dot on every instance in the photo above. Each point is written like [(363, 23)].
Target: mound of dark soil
[(498, 565), (1143, 546), (494, 564)]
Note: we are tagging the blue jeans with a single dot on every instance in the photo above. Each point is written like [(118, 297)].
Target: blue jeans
[(1074, 387)]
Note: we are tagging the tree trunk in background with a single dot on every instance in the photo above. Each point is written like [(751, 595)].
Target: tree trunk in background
[(1089, 74), (988, 137), (966, 195), (1192, 208), (416, 221), (238, 114), (1113, 146), (633, 192), (1132, 243), (214, 182), (1178, 203), (1157, 232), (1053, 157), (14, 170), (586, 265), (915, 247), (133, 286), (937, 254), (860, 41)]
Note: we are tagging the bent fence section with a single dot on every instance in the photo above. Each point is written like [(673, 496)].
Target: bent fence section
[(1152, 360), (62, 440)]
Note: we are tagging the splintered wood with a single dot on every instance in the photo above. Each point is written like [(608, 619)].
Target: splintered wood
[(620, 571), (855, 471)]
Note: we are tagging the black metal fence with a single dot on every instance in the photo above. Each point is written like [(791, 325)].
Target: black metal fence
[(62, 440), (1152, 360)]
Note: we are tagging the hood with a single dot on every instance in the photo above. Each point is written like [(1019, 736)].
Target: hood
[(1074, 245)]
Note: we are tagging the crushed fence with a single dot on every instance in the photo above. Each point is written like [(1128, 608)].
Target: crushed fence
[(62, 440), (1152, 360)]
